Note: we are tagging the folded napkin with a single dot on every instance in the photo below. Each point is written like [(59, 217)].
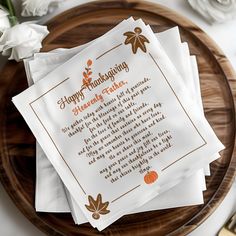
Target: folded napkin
[(186, 193), (118, 123)]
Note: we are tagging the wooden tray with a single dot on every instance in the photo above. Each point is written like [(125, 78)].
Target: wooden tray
[(78, 26)]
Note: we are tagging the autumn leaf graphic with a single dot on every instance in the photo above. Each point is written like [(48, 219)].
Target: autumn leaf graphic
[(136, 39), (97, 206), (87, 74), (89, 63)]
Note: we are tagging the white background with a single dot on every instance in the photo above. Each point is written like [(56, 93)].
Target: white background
[(12, 222)]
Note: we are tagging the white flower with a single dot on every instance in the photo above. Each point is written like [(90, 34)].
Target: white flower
[(4, 21), (22, 40), (215, 10), (38, 7)]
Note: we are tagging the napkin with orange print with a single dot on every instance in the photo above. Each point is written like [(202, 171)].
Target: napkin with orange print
[(118, 136), (189, 192)]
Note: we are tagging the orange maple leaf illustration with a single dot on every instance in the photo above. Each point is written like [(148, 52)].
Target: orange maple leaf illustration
[(136, 39), (97, 207)]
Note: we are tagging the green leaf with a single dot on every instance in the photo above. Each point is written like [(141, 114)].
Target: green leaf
[(8, 5)]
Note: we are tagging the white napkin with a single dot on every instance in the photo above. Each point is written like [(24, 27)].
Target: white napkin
[(37, 106), (170, 40)]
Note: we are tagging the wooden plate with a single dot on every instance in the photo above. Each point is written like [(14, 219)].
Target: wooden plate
[(78, 26)]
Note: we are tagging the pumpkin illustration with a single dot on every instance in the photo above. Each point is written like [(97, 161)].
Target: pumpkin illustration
[(150, 177)]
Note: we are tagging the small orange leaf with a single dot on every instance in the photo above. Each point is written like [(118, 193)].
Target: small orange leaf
[(90, 72), (89, 63), (89, 80), (85, 82), (85, 75)]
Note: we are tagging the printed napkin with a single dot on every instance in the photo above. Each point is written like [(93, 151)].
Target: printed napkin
[(186, 193), (107, 91)]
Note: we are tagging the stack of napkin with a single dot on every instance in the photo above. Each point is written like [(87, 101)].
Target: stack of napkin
[(119, 124)]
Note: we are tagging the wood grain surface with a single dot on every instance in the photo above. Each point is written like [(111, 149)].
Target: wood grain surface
[(83, 24)]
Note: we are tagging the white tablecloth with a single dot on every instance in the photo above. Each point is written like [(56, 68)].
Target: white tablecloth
[(12, 222)]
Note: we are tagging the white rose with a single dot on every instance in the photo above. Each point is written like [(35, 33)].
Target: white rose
[(4, 21), (22, 40), (38, 7), (215, 10)]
